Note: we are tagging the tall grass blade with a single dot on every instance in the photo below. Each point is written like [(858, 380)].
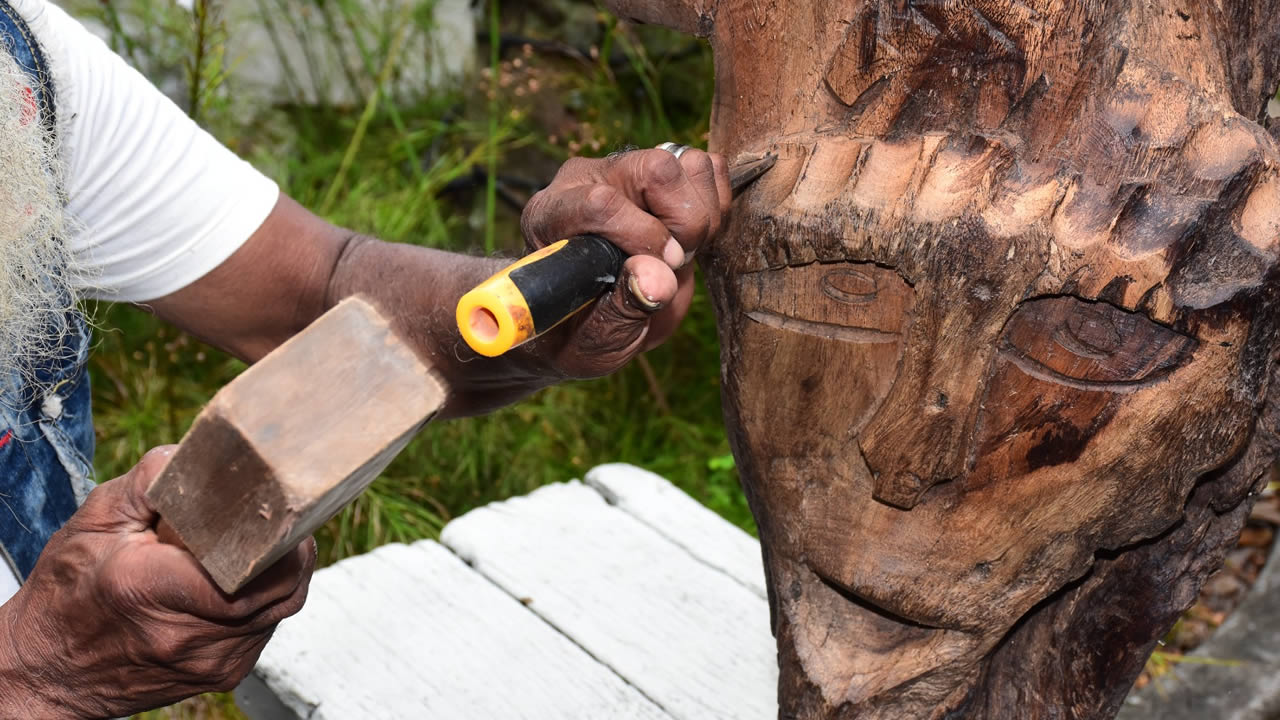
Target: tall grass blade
[(370, 107), (491, 183)]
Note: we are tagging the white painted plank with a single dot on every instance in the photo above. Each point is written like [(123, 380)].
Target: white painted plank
[(412, 632), (654, 501), (689, 637)]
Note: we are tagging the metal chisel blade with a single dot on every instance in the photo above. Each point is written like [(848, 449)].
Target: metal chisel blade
[(746, 173)]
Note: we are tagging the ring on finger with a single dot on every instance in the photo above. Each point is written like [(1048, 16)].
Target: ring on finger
[(673, 148), (679, 150)]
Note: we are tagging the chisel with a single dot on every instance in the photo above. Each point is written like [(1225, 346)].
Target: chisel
[(544, 288)]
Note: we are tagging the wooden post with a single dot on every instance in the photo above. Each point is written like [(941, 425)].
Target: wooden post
[(293, 439), (999, 331)]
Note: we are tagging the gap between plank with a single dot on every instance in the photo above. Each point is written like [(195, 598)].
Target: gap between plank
[(625, 681)]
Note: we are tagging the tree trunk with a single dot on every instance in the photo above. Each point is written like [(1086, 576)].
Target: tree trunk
[(998, 333)]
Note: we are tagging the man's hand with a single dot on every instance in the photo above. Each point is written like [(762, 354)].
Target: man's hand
[(656, 208), (112, 622)]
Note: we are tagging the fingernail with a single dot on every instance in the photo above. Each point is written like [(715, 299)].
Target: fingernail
[(673, 254), (688, 258), (641, 296)]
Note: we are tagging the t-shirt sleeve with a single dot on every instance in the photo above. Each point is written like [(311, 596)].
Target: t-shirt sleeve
[(158, 201)]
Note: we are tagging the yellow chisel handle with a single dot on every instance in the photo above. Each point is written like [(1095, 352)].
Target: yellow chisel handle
[(538, 292)]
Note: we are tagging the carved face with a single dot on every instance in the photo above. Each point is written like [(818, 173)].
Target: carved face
[(997, 331), (946, 410)]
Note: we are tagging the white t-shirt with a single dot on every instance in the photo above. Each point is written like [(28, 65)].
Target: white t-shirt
[(160, 201), (8, 583)]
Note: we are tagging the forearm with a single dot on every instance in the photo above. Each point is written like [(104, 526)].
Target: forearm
[(419, 288), (297, 266)]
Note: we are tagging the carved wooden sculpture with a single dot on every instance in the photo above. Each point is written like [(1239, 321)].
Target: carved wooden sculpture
[(998, 333)]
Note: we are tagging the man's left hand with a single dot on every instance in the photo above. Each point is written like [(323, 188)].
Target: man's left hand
[(656, 208)]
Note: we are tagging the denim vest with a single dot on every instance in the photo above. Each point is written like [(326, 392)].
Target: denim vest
[(46, 438)]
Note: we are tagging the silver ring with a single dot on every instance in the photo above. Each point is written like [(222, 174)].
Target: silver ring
[(673, 148)]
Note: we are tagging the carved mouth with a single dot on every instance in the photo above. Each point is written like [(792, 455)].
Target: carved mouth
[(853, 597), (854, 649)]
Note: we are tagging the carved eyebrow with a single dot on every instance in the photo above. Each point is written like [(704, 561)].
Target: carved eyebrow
[(830, 331)]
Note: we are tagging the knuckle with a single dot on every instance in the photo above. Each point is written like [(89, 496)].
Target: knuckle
[(602, 204), (534, 216), (617, 326), (574, 167), (660, 168), (228, 683), (154, 461), (701, 162), (98, 499), (227, 675), (692, 227), (167, 648), (286, 608)]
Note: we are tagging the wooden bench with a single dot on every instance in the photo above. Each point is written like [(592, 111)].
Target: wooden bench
[(617, 597)]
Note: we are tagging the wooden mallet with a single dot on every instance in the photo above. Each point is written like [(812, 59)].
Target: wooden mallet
[(293, 439)]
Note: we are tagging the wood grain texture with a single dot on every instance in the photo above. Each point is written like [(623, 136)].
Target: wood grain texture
[(654, 501), (998, 335), (412, 632), (687, 636), (284, 446)]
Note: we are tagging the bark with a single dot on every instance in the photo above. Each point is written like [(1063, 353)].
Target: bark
[(997, 334)]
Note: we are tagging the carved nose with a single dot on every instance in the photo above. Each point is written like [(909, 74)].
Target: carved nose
[(912, 452)]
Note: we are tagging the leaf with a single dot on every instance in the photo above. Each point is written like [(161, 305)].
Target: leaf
[(723, 463)]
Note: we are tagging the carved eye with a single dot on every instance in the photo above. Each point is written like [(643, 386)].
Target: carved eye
[(1092, 345), (849, 286), (860, 303)]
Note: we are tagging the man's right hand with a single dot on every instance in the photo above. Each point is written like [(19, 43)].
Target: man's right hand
[(113, 622)]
